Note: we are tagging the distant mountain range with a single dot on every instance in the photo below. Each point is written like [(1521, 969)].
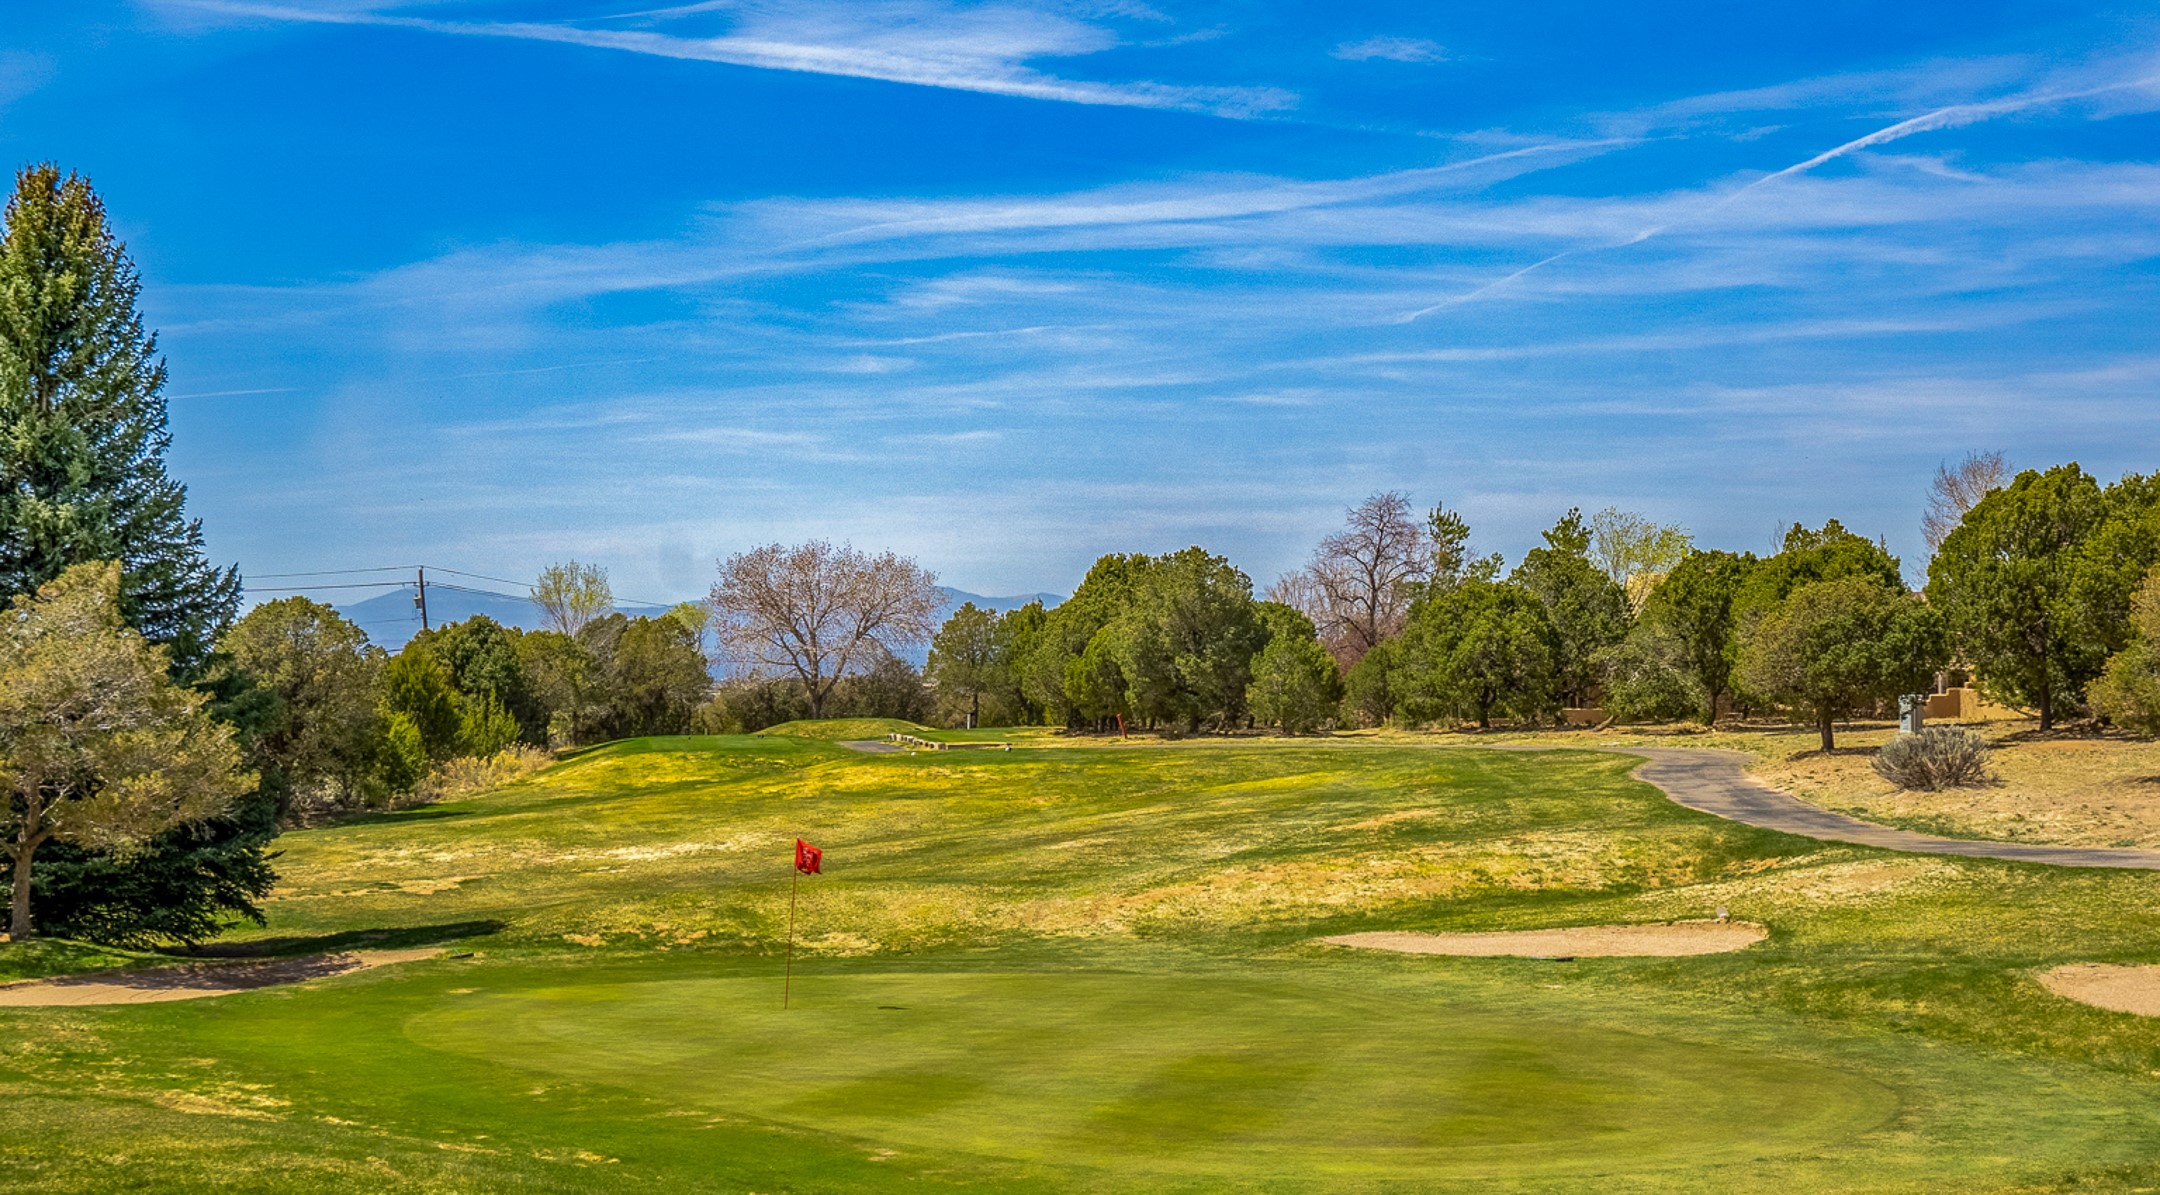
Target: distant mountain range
[(392, 618)]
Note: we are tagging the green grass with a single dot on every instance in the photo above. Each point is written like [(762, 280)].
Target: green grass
[(837, 729), (1092, 968)]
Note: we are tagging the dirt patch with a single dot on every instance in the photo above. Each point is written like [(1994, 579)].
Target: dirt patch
[(193, 981), (1586, 941), (2115, 987)]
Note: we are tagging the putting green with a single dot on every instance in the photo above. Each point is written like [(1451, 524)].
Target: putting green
[(1136, 1074)]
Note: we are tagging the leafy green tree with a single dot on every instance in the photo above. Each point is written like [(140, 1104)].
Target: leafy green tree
[(1296, 685), (83, 425), (482, 656), (1587, 609), (416, 685), (2128, 691), (747, 704), (571, 595), (1636, 552), (1833, 646), (966, 662), (1049, 671), (97, 746), (655, 676), (564, 675), (401, 756), (1019, 634), (1095, 682), (1809, 556), (890, 688), (1186, 645), (2015, 582), (322, 677), (1480, 649), (1645, 679), (484, 726), (1690, 615), (1367, 698)]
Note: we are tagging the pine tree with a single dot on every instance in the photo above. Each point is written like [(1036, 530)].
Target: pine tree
[(82, 424), (82, 478)]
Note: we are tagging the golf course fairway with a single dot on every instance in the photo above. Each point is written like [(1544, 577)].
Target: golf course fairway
[(1086, 967)]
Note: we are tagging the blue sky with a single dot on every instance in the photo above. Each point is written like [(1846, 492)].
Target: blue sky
[(1009, 285)]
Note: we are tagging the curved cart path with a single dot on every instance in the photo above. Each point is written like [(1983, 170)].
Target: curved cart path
[(1715, 782)]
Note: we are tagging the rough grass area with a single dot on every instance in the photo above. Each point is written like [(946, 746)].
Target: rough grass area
[(1095, 968)]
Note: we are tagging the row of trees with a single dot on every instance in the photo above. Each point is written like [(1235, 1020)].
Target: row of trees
[(2030, 587), (1175, 641), (341, 723)]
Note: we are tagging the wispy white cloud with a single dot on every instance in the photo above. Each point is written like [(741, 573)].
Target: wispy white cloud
[(984, 48), (22, 72), (2123, 86), (1393, 49)]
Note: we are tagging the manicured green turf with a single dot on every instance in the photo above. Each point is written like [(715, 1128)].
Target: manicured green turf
[(840, 729), (1092, 968)]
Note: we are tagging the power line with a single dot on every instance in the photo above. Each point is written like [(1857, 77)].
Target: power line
[(458, 572), (346, 585), (507, 581), (340, 572)]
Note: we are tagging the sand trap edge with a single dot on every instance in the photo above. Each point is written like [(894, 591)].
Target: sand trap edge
[(196, 981), (1673, 939), (2133, 988)]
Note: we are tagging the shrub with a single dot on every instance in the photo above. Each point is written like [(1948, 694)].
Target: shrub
[(1938, 757), (471, 774)]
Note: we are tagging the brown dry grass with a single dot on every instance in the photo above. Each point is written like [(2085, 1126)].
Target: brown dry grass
[(2075, 787)]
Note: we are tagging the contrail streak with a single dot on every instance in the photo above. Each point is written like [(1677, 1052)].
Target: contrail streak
[(1941, 118)]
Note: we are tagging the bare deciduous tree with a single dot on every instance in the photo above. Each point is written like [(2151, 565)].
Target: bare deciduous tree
[(572, 595), (1955, 491), (821, 611), (1358, 586), (1636, 552)]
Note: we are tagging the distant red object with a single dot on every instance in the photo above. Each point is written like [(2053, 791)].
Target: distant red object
[(808, 859)]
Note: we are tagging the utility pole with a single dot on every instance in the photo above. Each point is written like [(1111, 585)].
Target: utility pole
[(420, 598)]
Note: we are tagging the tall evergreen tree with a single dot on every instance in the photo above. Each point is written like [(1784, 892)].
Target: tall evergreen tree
[(82, 478), (82, 424)]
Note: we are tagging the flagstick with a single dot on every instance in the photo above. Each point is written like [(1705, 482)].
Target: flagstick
[(787, 987)]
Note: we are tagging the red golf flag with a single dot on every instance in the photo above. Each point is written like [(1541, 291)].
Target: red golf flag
[(808, 859)]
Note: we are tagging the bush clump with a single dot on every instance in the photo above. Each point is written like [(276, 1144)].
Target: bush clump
[(1936, 758)]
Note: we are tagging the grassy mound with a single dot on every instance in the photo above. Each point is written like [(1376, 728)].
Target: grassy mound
[(1092, 968), (837, 729)]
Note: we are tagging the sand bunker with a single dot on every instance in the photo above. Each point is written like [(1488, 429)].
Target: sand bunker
[(1587, 941), (193, 981), (2115, 987)]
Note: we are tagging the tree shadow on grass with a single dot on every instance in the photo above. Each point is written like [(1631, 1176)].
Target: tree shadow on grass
[(385, 938)]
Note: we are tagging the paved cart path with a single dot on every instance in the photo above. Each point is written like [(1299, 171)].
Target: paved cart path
[(1716, 782)]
